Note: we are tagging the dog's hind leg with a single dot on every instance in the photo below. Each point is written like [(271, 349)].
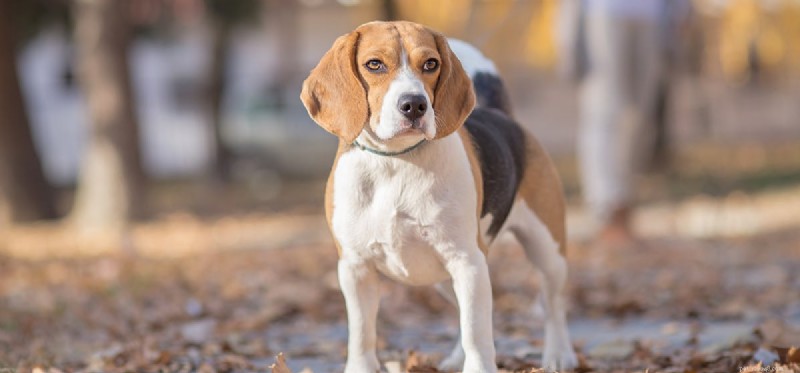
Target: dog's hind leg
[(544, 251), (454, 362)]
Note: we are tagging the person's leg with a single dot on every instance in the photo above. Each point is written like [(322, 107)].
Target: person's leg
[(650, 91), (642, 68), (604, 130)]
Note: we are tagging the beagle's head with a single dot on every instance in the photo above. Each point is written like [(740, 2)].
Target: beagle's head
[(389, 84)]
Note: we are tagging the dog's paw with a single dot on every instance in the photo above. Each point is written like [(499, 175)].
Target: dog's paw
[(362, 364), (454, 362), (480, 367), (559, 359)]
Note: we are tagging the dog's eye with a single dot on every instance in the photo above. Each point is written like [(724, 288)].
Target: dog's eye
[(430, 65), (374, 65)]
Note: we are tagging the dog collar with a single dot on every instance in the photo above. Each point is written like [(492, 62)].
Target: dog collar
[(388, 154)]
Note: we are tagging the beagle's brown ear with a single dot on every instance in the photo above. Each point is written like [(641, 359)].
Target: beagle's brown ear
[(454, 97), (333, 94)]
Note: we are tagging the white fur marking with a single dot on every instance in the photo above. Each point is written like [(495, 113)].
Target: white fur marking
[(418, 201), (543, 250), (484, 224), (406, 82), (471, 58)]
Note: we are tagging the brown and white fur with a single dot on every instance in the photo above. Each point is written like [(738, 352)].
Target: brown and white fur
[(424, 217)]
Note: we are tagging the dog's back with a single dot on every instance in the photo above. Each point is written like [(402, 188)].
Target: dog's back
[(490, 90), (512, 160), (522, 193)]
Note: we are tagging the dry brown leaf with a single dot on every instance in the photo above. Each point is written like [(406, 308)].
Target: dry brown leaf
[(423, 369), (412, 360), (793, 356), (416, 363), (280, 365), (164, 357)]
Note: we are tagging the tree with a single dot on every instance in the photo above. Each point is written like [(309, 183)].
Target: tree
[(109, 190), (224, 15), (389, 9), (24, 191)]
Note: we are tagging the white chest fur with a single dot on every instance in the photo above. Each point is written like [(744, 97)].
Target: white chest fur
[(397, 212)]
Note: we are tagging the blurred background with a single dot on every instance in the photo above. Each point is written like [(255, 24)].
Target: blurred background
[(202, 101), (144, 139)]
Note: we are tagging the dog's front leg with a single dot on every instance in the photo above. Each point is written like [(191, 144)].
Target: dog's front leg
[(473, 290), (359, 283)]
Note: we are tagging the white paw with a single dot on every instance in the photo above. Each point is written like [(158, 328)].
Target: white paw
[(362, 365), (480, 368), (454, 362), (559, 359)]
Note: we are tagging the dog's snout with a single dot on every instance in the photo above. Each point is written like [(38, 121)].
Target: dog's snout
[(413, 106)]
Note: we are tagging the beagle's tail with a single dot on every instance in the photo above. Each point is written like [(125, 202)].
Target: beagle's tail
[(489, 88)]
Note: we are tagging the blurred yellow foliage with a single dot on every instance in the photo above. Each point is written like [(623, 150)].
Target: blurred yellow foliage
[(746, 31), (752, 33), (540, 47), (746, 34), (447, 16)]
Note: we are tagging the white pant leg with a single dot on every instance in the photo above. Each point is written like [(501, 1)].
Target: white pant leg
[(623, 65)]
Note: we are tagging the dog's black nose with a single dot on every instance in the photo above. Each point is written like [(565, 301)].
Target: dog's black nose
[(412, 106)]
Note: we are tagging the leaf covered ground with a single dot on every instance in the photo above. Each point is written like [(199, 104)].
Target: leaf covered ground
[(663, 306)]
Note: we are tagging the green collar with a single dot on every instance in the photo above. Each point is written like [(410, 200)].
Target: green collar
[(388, 154)]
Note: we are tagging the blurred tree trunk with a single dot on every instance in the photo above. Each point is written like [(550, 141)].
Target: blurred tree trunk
[(288, 22), (24, 191), (110, 184), (223, 16), (220, 169), (389, 10)]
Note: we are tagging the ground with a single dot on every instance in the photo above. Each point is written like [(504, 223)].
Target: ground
[(668, 305)]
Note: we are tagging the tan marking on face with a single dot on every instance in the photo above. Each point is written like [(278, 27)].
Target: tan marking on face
[(542, 191), (342, 95), (419, 44), (403, 48)]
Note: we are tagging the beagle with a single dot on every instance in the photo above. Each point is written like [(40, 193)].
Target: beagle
[(430, 168)]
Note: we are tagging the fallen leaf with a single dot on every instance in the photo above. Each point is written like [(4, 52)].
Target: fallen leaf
[(415, 363), (280, 365), (793, 356)]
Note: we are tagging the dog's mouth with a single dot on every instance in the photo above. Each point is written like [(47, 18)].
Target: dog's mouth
[(410, 131), (400, 132), (407, 129)]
